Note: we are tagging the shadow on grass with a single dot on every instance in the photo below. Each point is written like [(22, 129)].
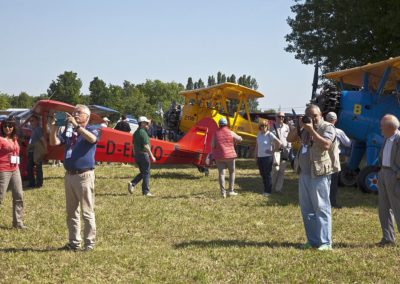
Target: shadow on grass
[(273, 244), (113, 194), (13, 250), (175, 175), (188, 196)]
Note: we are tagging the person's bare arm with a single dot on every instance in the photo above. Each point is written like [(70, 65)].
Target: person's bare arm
[(148, 150), (323, 142)]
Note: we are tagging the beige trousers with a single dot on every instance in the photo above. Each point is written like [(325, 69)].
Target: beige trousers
[(79, 194), (222, 165), (13, 179), (278, 176)]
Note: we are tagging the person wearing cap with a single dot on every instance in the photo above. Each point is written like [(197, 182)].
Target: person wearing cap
[(281, 131), (105, 122), (266, 144), (9, 170), (143, 154), (223, 152), (344, 142), (79, 179)]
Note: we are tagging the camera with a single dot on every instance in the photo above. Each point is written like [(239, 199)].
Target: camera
[(306, 119), (61, 118)]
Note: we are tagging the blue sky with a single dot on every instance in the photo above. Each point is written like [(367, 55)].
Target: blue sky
[(150, 39)]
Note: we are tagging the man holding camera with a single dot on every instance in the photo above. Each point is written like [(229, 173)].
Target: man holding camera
[(281, 131), (317, 159), (80, 147)]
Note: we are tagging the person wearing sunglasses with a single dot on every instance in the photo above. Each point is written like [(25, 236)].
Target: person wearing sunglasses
[(281, 131), (9, 170), (266, 144)]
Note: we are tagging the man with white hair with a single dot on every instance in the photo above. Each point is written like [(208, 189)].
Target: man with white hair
[(80, 148), (344, 142), (281, 131), (389, 180), (143, 154)]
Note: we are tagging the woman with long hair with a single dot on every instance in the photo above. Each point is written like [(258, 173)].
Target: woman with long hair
[(9, 170)]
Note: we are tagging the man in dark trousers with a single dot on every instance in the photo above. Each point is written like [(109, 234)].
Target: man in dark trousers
[(143, 155), (123, 124)]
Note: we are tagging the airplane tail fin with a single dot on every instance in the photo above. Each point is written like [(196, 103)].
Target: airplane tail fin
[(198, 138)]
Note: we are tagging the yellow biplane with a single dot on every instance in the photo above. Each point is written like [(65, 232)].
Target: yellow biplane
[(223, 100)]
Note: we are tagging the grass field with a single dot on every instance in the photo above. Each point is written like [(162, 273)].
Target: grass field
[(188, 234)]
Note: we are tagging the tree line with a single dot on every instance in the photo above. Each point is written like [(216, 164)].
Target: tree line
[(135, 99)]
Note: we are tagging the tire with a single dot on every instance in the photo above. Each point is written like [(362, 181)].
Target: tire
[(347, 177), (368, 179)]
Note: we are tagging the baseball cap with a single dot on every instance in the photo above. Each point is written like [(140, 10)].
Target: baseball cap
[(222, 121), (106, 119), (331, 116), (143, 119)]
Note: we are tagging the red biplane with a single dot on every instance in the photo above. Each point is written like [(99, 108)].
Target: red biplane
[(117, 146)]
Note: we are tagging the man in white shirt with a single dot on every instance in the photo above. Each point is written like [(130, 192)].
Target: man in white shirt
[(344, 142), (389, 180), (281, 131)]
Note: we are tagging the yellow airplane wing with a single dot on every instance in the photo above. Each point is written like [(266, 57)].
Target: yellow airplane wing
[(229, 90), (355, 76)]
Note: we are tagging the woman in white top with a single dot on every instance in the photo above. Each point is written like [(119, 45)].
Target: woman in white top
[(267, 142)]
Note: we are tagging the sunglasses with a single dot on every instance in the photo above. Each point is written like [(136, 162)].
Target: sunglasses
[(280, 116), (263, 126), (8, 125)]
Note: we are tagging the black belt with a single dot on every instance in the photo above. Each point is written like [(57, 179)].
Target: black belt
[(78, 172), (385, 167)]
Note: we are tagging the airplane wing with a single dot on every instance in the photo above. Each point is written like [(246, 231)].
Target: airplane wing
[(50, 106), (230, 90), (355, 76)]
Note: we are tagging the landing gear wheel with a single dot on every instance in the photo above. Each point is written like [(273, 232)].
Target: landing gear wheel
[(348, 177), (368, 179)]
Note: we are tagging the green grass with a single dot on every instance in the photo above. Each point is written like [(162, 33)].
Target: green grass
[(187, 233)]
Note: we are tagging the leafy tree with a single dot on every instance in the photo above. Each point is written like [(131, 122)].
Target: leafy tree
[(344, 33), (98, 92), (219, 77), (232, 78), (189, 85), (211, 81), (223, 78), (66, 89), (200, 84), (23, 100), (4, 101)]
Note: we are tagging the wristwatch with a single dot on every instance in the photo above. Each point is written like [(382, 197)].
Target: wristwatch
[(76, 128)]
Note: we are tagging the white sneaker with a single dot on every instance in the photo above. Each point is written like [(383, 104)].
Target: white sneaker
[(266, 194), (130, 187), (148, 194), (232, 193)]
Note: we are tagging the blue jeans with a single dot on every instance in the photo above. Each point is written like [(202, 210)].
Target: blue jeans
[(265, 168), (143, 162), (31, 172), (316, 209)]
